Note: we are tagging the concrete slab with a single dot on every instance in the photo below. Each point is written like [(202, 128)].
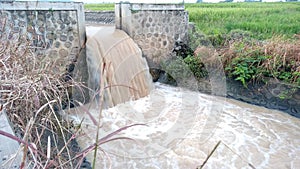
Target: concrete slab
[(9, 158)]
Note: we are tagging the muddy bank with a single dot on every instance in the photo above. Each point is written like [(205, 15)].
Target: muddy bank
[(272, 94)]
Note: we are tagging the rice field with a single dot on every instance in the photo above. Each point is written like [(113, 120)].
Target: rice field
[(263, 20)]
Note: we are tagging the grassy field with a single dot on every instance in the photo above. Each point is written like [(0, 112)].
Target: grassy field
[(263, 20)]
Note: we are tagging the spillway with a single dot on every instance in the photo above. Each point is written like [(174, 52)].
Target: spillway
[(116, 62)]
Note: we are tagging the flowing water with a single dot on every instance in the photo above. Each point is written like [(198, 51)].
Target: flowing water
[(184, 127), (114, 59)]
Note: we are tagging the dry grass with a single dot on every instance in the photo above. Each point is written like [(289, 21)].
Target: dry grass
[(31, 91), (250, 60), (284, 53), (276, 58)]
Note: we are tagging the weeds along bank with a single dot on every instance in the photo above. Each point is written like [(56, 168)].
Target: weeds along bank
[(253, 40), (259, 72)]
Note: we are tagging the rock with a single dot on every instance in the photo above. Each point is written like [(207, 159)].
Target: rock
[(155, 73), (63, 38), (282, 106), (296, 96), (167, 79)]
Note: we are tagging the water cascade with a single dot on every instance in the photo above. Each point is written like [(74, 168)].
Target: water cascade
[(114, 59), (183, 127)]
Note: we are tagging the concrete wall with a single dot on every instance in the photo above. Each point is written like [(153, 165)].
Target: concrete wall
[(154, 27), (55, 30)]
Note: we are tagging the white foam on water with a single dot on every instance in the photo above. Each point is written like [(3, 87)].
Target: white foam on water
[(183, 129)]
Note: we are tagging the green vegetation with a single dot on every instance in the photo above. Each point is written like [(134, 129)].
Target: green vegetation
[(184, 68), (255, 41), (264, 20), (196, 66), (255, 61), (100, 7), (247, 59)]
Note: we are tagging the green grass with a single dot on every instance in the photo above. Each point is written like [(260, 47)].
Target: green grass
[(263, 20), (100, 7)]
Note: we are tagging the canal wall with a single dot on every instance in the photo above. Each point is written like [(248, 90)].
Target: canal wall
[(156, 28), (54, 30)]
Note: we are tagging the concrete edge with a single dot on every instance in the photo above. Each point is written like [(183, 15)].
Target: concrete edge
[(37, 5), (8, 147)]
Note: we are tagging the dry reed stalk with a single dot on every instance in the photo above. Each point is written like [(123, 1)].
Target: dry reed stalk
[(31, 91)]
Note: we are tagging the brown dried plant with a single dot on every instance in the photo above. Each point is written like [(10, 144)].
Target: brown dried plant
[(274, 58), (31, 91)]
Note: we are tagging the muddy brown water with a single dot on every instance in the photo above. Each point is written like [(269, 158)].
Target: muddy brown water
[(183, 127)]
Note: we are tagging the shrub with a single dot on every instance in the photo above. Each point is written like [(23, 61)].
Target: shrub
[(196, 66), (276, 58)]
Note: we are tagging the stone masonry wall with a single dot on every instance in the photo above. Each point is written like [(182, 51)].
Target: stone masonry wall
[(154, 27), (54, 30)]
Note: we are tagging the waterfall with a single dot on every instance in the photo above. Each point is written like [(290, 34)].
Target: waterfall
[(114, 58)]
